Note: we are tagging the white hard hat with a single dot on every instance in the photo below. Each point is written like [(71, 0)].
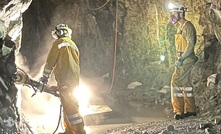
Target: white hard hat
[(63, 27), (61, 30), (176, 7)]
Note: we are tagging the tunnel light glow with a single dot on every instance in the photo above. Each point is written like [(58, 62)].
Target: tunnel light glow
[(82, 94), (162, 57)]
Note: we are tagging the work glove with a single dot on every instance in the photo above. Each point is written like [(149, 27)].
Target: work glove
[(179, 62), (44, 79), (42, 82)]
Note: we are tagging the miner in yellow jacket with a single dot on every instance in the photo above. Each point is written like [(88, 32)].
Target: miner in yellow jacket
[(63, 61), (185, 39)]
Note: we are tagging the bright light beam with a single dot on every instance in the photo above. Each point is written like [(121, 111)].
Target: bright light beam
[(82, 94)]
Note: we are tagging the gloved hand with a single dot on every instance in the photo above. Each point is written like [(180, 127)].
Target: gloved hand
[(179, 62), (42, 82), (44, 79)]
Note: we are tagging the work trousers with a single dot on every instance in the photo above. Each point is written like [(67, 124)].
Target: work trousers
[(73, 121), (181, 89)]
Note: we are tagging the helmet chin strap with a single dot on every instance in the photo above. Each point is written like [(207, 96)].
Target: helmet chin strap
[(181, 15)]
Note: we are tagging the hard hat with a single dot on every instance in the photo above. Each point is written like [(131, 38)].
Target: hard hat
[(61, 30), (3, 30), (63, 27), (177, 7)]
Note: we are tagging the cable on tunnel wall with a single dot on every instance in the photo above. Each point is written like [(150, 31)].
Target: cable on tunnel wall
[(100, 6), (115, 48)]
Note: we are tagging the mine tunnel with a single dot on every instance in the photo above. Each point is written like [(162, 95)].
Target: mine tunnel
[(127, 60)]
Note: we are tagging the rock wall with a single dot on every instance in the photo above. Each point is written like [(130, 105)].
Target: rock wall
[(10, 41)]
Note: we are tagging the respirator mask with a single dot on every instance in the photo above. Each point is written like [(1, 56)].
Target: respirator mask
[(176, 16), (173, 19)]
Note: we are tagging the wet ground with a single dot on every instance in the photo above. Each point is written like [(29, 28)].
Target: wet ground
[(109, 122), (115, 121), (100, 123), (124, 122), (133, 118), (158, 125), (150, 121)]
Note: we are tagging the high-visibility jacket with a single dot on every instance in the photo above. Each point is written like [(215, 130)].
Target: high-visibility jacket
[(185, 39), (63, 59), (181, 88)]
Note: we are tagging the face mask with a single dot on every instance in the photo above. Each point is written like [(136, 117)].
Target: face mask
[(173, 19)]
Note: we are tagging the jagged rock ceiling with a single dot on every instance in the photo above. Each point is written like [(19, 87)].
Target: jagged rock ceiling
[(143, 35), (11, 13)]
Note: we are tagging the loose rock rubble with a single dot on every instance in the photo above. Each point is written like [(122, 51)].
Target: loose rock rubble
[(196, 125)]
